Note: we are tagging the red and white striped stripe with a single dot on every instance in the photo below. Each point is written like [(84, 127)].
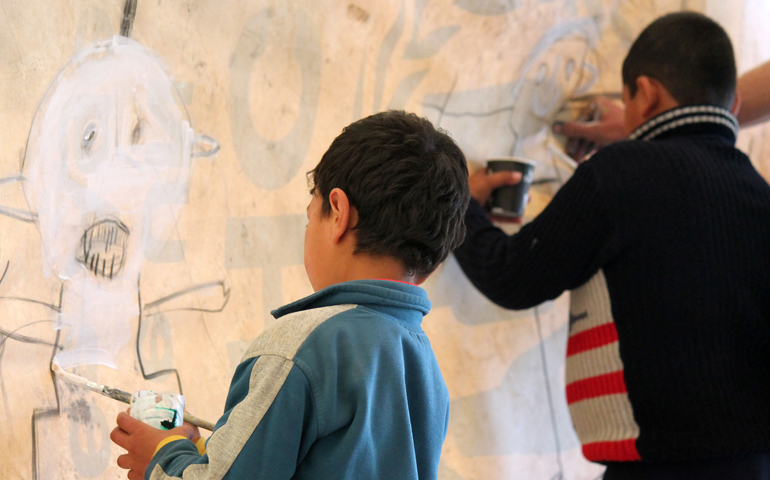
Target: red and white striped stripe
[(596, 390)]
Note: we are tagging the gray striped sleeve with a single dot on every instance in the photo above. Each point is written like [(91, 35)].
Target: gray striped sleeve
[(288, 333)]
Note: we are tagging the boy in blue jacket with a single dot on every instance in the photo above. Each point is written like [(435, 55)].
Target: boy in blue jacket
[(344, 384)]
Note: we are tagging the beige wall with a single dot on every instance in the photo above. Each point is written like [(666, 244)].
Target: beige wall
[(274, 82)]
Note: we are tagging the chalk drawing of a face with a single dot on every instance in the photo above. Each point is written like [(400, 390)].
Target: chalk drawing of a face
[(556, 70), (502, 119), (106, 168), (109, 141), (105, 174)]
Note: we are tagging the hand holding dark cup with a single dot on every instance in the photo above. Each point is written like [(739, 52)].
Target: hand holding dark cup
[(510, 201)]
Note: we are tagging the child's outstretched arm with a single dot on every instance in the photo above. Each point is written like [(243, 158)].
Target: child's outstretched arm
[(268, 425), (559, 250)]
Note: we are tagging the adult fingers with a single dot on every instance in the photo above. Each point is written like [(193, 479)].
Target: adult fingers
[(591, 131)]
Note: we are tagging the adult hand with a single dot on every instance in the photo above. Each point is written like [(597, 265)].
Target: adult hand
[(482, 183), (141, 440), (610, 126), (752, 104)]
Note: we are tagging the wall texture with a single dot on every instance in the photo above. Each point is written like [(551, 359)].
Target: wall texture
[(211, 242)]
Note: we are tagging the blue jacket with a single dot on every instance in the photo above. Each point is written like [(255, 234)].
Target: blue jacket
[(343, 385)]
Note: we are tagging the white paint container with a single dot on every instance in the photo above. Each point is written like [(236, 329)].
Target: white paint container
[(160, 410)]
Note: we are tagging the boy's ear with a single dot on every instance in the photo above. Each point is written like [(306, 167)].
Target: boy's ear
[(340, 214), (649, 93)]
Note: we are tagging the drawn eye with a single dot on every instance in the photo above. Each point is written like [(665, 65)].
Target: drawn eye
[(569, 68), (89, 137), (137, 134), (542, 71)]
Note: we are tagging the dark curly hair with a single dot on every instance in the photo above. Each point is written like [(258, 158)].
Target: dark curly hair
[(690, 54), (408, 182)]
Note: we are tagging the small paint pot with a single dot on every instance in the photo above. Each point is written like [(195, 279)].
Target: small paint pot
[(160, 410), (511, 200)]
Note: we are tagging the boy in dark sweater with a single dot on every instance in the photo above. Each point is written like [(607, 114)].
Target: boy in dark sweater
[(344, 384), (664, 242)]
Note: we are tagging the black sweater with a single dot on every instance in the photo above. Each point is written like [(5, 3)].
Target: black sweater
[(664, 240)]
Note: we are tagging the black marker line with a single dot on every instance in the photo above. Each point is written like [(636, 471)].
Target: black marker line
[(194, 288), (129, 13), (17, 214), (25, 338), (7, 264), (442, 110), (39, 413), (13, 179), (152, 375), (471, 114)]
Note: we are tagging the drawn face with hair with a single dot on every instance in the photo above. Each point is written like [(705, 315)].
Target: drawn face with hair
[(107, 157), (557, 71)]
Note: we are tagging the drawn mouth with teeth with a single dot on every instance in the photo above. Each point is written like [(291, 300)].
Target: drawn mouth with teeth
[(103, 248)]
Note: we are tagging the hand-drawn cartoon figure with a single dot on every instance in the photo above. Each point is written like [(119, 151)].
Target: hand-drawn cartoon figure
[(105, 174), (109, 143), (108, 159), (507, 119)]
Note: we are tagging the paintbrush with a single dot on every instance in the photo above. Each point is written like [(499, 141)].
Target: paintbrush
[(116, 394)]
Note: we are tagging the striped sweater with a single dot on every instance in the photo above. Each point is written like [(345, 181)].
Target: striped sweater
[(664, 242), (344, 385)]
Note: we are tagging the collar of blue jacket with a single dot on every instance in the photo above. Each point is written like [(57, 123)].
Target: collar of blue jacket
[(405, 302)]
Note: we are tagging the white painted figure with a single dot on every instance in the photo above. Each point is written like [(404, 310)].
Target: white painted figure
[(105, 175), (106, 172)]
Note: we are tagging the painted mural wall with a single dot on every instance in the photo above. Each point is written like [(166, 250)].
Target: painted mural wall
[(153, 194)]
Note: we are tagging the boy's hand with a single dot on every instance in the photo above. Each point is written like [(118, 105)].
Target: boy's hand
[(141, 440), (196, 434), (481, 183)]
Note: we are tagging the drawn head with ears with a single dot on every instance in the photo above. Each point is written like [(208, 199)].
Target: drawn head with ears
[(556, 70), (108, 157)]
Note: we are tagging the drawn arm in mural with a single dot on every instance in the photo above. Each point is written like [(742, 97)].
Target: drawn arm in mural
[(209, 297), (105, 170), (16, 213), (18, 335), (52, 312), (47, 310), (214, 297)]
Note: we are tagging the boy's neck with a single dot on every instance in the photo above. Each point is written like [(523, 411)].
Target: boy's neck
[(364, 266), (667, 103)]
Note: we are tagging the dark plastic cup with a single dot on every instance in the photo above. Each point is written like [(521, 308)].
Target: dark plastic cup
[(511, 200)]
